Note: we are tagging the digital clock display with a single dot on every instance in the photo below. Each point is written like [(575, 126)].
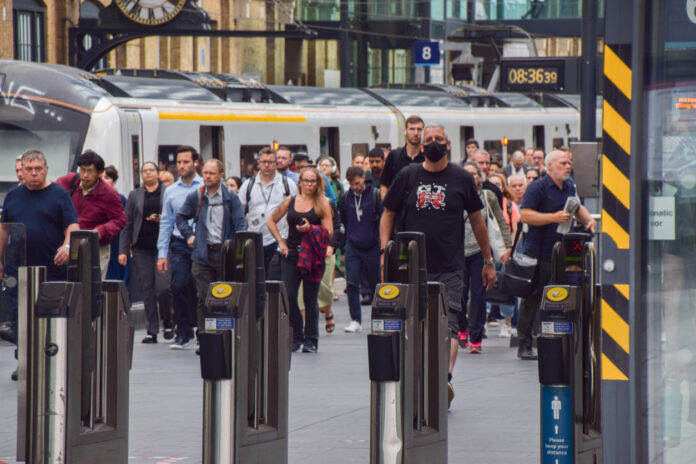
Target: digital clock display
[(532, 76)]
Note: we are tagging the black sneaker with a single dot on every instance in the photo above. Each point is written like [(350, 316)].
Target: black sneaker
[(168, 333), (296, 346), (150, 338), (14, 375)]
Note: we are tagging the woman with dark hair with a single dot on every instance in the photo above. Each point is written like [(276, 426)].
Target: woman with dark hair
[(310, 225), (233, 183), (139, 240)]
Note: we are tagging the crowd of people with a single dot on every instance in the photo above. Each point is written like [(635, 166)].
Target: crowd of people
[(168, 233)]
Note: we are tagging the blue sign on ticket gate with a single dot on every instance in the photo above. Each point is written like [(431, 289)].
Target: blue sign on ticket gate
[(556, 425)]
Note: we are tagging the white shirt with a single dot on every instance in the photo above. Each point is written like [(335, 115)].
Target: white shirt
[(264, 199)]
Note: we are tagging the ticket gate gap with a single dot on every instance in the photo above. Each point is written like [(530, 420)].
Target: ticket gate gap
[(569, 356), (245, 358), (76, 357), (408, 354)]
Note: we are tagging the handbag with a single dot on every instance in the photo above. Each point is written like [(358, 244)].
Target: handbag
[(496, 295), (495, 236), (518, 277)]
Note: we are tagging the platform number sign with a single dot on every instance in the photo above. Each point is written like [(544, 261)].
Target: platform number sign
[(426, 53)]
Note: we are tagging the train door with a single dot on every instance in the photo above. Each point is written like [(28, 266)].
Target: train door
[(329, 143), (131, 153), (212, 142), (465, 133)]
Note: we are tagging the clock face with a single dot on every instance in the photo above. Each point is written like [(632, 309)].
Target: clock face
[(150, 12)]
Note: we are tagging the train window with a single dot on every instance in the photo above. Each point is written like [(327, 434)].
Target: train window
[(166, 157), (465, 133), (359, 149), (135, 152), (212, 143), (493, 146), (558, 142), (248, 154), (538, 137), (329, 143), (517, 144)]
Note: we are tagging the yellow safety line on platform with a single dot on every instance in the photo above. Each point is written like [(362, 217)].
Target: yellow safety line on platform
[(610, 371), (617, 71), (623, 289), (616, 182), (615, 231), (615, 327), (617, 127), (180, 115)]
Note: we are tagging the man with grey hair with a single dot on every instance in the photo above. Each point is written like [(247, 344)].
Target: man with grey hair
[(48, 216), (431, 198), (482, 159), (516, 164), (542, 210)]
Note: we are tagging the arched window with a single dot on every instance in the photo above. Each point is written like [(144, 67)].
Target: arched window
[(89, 16), (29, 30)]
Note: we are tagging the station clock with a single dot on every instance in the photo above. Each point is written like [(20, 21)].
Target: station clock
[(150, 12)]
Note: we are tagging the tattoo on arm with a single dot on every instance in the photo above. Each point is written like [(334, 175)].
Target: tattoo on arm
[(278, 213)]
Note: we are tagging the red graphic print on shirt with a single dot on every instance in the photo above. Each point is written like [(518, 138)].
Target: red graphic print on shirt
[(430, 196)]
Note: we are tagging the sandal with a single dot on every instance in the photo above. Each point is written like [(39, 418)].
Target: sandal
[(330, 325)]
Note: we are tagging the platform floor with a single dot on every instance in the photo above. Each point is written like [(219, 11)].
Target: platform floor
[(494, 418)]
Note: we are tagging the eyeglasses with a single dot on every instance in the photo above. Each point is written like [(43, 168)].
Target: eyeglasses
[(309, 181)]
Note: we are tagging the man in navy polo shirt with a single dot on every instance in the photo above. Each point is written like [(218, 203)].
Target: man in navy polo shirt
[(542, 208)]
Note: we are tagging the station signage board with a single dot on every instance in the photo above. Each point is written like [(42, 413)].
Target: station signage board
[(426, 53)]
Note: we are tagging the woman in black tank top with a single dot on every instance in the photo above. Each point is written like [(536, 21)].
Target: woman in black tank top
[(309, 208)]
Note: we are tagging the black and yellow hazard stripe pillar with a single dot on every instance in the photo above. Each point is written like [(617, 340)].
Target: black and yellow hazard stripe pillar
[(616, 234)]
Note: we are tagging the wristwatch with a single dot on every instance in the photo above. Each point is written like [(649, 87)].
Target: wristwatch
[(490, 261)]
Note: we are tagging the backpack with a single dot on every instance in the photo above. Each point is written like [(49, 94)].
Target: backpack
[(74, 183), (252, 179)]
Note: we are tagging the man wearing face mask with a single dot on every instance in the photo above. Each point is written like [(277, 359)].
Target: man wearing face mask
[(431, 198)]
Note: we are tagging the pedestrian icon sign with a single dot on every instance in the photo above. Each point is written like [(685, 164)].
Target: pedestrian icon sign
[(556, 425)]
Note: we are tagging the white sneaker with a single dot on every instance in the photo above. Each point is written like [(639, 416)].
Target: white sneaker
[(353, 327), (505, 331)]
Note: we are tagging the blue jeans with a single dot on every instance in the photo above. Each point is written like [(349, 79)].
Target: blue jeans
[(180, 264), (473, 284), (307, 331), (360, 263)]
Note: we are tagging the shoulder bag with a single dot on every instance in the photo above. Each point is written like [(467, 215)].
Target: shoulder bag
[(518, 277)]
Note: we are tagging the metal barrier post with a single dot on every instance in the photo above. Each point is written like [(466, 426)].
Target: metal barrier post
[(408, 354)]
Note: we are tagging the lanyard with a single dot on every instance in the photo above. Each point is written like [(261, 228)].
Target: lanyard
[(267, 200), (358, 201)]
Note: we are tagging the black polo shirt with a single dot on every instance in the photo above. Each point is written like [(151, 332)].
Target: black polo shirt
[(396, 161), (544, 196)]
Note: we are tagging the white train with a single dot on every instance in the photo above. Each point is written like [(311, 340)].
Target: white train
[(132, 116)]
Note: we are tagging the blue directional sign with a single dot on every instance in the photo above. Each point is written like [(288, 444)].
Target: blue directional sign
[(426, 53), (556, 425)]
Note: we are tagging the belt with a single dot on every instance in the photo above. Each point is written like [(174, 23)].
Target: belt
[(214, 246)]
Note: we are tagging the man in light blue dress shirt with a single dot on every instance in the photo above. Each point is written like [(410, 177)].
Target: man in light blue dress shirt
[(172, 249)]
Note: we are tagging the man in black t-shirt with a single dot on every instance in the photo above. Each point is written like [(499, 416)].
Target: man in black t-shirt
[(433, 197), (399, 158)]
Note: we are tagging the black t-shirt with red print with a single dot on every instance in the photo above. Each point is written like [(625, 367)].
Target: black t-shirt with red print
[(434, 204)]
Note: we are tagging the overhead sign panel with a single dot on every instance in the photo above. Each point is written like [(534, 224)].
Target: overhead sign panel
[(426, 53)]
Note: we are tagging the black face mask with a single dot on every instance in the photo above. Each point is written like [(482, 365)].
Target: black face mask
[(435, 151)]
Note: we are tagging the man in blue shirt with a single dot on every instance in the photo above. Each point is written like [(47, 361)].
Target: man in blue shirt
[(172, 249), (48, 216), (542, 209), (218, 214), (360, 209)]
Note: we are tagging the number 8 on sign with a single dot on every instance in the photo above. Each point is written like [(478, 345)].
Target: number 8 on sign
[(427, 53)]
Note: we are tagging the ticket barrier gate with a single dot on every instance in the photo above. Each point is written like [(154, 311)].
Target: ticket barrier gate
[(569, 356), (74, 363), (408, 353), (245, 359)]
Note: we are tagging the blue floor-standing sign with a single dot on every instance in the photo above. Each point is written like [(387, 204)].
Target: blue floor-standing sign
[(556, 425)]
